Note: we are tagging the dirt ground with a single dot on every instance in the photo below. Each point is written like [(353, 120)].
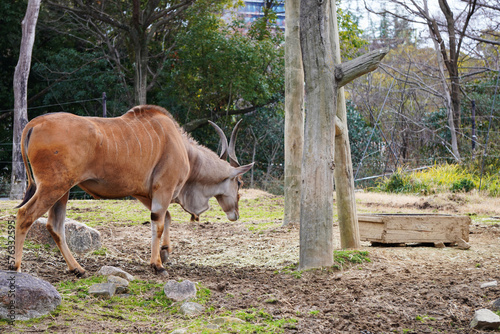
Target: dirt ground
[(417, 289)]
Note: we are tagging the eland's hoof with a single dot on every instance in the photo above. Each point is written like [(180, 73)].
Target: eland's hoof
[(160, 271), (79, 273)]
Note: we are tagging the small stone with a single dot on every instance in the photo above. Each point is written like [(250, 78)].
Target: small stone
[(179, 331), (439, 245), (228, 320), (212, 326), (24, 297), (489, 284), (462, 244), (121, 284), (179, 291), (496, 305), (485, 319), (191, 309), (106, 290), (109, 270)]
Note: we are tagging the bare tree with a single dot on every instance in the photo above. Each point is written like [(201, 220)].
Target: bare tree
[(448, 31), (21, 74), (139, 21)]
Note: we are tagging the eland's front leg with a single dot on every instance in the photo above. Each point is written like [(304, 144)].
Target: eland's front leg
[(166, 248), (158, 215)]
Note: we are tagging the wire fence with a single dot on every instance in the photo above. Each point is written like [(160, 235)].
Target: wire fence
[(377, 170)]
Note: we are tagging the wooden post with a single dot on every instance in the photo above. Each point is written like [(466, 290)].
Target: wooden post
[(294, 115), (21, 74), (344, 179), (104, 110), (316, 209), (322, 82), (473, 116)]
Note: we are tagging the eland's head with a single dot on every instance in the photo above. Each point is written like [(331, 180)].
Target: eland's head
[(228, 195)]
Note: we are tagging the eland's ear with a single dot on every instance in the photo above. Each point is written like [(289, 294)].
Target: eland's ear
[(241, 170)]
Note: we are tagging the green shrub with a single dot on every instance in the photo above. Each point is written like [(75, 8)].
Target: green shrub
[(462, 185), (396, 183)]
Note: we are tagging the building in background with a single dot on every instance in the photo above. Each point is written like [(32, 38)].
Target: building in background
[(253, 9)]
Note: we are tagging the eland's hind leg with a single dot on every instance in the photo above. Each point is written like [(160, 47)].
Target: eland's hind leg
[(55, 225), (41, 202), (166, 248)]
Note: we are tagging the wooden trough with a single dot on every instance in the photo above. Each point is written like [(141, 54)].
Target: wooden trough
[(414, 228)]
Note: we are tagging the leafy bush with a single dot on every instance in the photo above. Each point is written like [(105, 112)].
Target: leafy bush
[(396, 183), (462, 185)]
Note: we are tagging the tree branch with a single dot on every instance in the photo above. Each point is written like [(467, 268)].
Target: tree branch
[(348, 71)]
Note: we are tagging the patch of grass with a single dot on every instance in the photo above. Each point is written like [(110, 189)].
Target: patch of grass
[(202, 294), (259, 321), (100, 252), (291, 270), (424, 318), (346, 257)]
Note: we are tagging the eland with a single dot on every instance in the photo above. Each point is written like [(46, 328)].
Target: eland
[(143, 153)]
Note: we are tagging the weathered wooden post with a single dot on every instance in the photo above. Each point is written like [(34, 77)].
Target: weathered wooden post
[(323, 79), (294, 114), (344, 177), (104, 108)]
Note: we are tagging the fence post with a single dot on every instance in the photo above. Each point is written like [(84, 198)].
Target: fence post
[(104, 111), (473, 116)]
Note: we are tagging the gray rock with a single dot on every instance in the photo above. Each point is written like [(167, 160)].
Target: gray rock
[(79, 237), (110, 270), (179, 291), (24, 297), (191, 309), (228, 320), (180, 331), (121, 284), (212, 326), (485, 319), (489, 284), (496, 305), (106, 290)]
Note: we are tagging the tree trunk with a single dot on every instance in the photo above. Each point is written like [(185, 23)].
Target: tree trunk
[(316, 216), (139, 39), (294, 115), (344, 177), (141, 72), (21, 74)]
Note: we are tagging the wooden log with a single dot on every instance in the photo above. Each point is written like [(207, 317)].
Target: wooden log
[(344, 177), (350, 70)]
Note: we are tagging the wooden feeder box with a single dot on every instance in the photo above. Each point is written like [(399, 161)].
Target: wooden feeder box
[(414, 228)]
